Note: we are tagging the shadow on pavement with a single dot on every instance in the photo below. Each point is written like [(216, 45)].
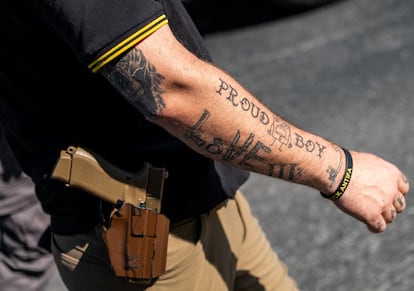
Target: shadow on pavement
[(219, 15)]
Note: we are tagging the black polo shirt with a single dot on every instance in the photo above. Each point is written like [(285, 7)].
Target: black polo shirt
[(51, 98)]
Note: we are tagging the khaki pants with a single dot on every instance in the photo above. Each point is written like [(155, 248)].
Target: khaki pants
[(224, 250)]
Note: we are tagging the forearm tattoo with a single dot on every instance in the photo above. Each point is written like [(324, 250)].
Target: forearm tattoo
[(278, 130), (332, 172), (243, 151), (248, 151), (139, 82), (231, 94)]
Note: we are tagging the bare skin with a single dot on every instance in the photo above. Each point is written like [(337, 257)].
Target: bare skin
[(217, 117)]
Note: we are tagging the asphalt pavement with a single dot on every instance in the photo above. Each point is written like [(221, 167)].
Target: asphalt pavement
[(346, 72)]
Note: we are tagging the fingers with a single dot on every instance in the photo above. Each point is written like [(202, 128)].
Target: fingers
[(374, 197), (399, 203), (379, 227), (404, 185), (389, 215)]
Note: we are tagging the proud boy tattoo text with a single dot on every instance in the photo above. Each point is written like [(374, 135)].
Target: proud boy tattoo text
[(278, 130)]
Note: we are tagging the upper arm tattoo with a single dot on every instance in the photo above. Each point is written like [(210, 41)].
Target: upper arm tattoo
[(139, 82)]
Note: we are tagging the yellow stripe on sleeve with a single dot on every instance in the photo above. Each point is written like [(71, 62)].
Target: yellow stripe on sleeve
[(128, 43)]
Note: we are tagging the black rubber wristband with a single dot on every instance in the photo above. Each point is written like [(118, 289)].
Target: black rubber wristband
[(345, 179)]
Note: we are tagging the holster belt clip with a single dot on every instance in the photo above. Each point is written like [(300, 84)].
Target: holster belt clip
[(137, 235)]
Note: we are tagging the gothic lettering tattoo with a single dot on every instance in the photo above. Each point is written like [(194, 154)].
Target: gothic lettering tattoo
[(139, 82), (194, 133), (285, 171), (235, 151), (246, 150), (253, 154)]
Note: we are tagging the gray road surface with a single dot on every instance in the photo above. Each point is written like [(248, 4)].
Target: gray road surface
[(346, 72)]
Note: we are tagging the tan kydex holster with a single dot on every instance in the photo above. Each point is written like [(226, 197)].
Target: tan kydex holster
[(137, 234)]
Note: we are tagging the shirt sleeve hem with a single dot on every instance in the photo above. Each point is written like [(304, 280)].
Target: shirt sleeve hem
[(128, 43)]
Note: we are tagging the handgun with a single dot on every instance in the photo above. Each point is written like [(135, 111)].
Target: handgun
[(87, 170)]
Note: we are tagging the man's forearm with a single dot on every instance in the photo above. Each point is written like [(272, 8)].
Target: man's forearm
[(237, 129), (213, 114), (217, 117)]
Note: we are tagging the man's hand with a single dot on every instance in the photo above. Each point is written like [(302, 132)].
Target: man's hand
[(376, 192)]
